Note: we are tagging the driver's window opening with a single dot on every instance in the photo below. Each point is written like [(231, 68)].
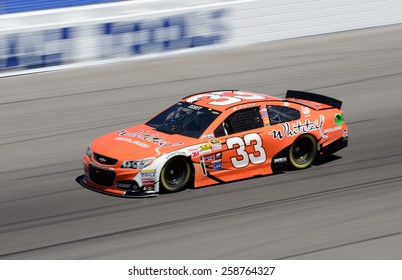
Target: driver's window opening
[(242, 120)]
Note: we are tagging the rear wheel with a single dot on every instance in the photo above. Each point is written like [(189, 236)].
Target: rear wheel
[(303, 151), (175, 175)]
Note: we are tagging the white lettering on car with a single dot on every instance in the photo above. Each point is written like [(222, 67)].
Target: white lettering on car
[(297, 128), (220, 100), (257, 157)]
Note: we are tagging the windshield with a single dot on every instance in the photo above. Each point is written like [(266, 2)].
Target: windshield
[(185, 119)]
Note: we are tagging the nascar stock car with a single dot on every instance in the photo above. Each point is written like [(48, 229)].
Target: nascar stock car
[(215, 137)]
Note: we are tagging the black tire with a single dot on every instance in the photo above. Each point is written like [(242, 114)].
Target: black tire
[(175, 175), (303, 151)]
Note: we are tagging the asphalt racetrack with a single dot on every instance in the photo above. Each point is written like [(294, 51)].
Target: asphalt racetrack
[(349, 207)]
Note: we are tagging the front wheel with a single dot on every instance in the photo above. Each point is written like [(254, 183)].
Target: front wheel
[(303, 151), (175, 175)]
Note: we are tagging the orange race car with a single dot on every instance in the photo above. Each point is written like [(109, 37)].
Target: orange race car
[(215, 137)]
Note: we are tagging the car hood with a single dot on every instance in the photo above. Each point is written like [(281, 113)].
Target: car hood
[(138, 142)]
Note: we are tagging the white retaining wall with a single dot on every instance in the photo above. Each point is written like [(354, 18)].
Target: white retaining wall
[(71, 37)]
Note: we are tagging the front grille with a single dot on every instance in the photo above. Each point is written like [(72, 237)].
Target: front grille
[(101, 177), (104, 159)]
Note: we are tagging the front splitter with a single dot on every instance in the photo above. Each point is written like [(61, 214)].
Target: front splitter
[(114, 192)]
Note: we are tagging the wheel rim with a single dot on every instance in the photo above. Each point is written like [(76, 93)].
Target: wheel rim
[(303, 151), (175, 175)]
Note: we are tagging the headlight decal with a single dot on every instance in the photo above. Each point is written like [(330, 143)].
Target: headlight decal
[(89, 151), (137, 164)]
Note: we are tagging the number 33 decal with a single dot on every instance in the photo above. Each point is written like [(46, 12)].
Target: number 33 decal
[(257, 157)]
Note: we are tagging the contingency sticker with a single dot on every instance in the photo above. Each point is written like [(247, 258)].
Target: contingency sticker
[(148, 177)]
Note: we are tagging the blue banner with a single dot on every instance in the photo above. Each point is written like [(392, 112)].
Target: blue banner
[(44, 48), (35, 49), (165, 34), (16, 6)]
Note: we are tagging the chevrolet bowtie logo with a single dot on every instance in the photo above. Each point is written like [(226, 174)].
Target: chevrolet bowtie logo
[(102, 159)]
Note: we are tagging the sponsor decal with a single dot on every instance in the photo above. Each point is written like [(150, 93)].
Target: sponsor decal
[(214, 141), (280, 160), (332, 129), (247, 106), (101, 167), (267, 122), (308, 104), (208, 136), (148, 177), (210, 157), (167, 144), (217, 165), (132, 141), (306, 110), (217, 147), (286, 104), (297, 128), (204, 152), (123, 186), (175, 153), (148, 173), (194, 107), (145, 135), (205, 147), (194, 151), (218, 155), (148, 181)]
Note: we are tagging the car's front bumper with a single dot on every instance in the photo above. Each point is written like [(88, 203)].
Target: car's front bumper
[(115, 181), (141, 192)]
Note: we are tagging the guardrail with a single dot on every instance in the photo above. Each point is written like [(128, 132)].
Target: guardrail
[(73, 37)]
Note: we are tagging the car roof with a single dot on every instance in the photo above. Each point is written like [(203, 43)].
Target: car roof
[(224, 99)]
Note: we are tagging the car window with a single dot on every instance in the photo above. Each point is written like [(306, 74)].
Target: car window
[(281, 114), (185, 119), (240, 121)]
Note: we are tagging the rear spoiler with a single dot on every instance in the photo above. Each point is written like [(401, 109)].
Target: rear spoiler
[(314, 97)]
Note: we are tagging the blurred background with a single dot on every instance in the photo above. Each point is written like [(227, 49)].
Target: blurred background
[(18, 6), (71, 71), (47, 35)]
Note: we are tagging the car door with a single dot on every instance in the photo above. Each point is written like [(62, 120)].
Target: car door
[(242, 154)]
